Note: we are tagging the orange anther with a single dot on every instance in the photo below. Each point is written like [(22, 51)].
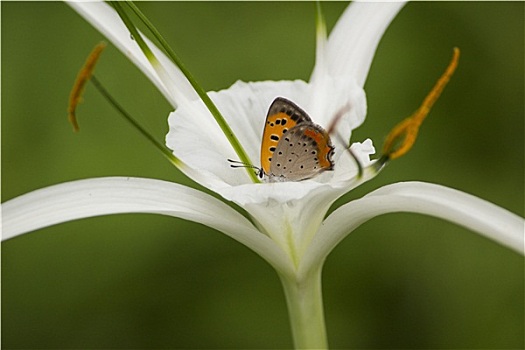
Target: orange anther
[(403, 135), (82, 78)]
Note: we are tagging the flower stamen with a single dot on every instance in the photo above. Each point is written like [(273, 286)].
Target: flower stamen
[(402, 137), (83, 77), (331, 130)]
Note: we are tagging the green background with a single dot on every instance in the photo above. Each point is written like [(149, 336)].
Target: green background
[(144, 281)]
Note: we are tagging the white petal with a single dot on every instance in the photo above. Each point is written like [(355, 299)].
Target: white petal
[(353, 41), (346, 167), (458, 207), (293, 208), (103, 196), (198, 141), (290, 222), (332, 95), (107, 21)]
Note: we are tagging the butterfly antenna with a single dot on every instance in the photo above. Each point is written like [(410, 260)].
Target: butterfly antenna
[(238, 164)]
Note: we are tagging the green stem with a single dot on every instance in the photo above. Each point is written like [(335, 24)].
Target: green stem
[(176, 161), (305, 308), (228, 132)]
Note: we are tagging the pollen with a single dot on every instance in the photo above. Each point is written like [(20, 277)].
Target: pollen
[(402, 137), (83, 77)]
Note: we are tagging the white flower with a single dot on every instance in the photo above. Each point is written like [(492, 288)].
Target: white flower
[(288, 226)]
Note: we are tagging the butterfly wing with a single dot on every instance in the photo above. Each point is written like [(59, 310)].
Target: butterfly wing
[(305, 151), (282, 116)]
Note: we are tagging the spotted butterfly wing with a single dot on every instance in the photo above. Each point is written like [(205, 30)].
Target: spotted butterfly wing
[(293, 147), (304, 152), (282, 116)]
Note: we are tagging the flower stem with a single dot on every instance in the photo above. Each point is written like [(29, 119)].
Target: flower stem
[(305, 308)]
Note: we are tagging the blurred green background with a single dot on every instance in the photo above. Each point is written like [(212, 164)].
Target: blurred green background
[(143, 281)]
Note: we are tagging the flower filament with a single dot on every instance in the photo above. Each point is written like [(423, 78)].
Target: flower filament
[(402, 137)]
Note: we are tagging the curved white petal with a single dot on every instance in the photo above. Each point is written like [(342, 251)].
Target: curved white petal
[(107, 21), (353, 41), (197, 140), (458, 207), (287, 211), (113, 195)]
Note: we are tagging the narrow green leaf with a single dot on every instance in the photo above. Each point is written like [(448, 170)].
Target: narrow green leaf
[(239, 150), (167, 153)]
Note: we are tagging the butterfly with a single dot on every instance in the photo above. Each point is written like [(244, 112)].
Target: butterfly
[(293, 148)]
